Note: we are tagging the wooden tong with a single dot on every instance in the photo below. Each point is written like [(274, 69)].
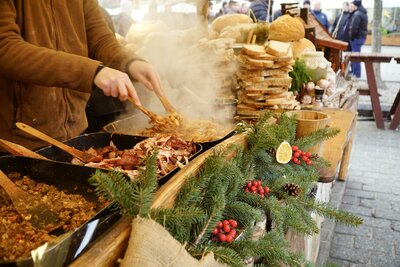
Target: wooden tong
[(167, 105), (83, 156), (152, 116), (18, 150)]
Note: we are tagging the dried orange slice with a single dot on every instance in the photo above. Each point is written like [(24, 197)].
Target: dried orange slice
[(284, 153)]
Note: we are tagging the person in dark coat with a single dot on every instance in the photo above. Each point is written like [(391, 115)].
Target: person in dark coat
[(306, 4), (358, 31), (341, 25), (321, 16), (260, 9)]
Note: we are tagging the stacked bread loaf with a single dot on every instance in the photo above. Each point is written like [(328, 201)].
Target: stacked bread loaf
[(264, 80)]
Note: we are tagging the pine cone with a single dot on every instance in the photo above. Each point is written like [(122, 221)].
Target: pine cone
[(292, 189)]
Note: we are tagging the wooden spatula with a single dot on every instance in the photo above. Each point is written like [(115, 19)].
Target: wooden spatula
[(30, 207), (167, 105), (18, 150), (148, 113), (83, 156)]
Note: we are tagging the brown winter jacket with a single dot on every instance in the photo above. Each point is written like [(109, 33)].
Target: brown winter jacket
[(49, 53)]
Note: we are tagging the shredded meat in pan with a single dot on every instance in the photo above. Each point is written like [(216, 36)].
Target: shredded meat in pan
[(172, 151)]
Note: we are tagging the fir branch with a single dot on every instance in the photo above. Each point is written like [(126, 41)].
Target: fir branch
[(212, 218), (275, 213), (178, 221), (294, 219), (316, 137), (134, 198), (147, 185), (272, 246), (190, 193), (325, 210), (253, 200), (297, 259), (114, 186), (320, 162), (227, 255), (242, 212), (288, 125), (305, 217)]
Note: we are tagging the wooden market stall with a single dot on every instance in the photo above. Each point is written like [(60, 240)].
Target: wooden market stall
[(112, 244)]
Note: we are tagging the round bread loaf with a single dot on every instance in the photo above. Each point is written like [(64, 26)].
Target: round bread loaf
[(286, 29), (301, 45), (229, 20)]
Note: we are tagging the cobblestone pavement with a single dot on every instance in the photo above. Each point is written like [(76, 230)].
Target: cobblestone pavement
[(372, 191)]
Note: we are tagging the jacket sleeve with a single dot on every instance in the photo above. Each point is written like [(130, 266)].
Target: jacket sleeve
[(103, 45), (28, 63), (354, 26)]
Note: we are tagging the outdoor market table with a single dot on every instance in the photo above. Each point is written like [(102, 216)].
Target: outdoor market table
[(369, 59)]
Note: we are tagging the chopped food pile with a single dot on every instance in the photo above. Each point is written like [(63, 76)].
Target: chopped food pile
[(168, 123), (188, 129), (172, 151), (18, 237)]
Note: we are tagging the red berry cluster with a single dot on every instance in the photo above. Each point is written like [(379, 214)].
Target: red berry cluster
[(301, 155), (256, 187), (225, 231)]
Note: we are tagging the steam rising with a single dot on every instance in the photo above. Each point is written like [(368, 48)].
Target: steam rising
[(192, 68)]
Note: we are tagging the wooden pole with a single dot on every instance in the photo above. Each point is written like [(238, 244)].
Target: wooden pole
[(269, 10)]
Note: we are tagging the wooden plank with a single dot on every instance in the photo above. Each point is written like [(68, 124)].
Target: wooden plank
[(369, 57), (373, 90), (334, 147), (395, 109)]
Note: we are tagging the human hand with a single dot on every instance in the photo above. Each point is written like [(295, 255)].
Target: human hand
[(116, 84), (146, 74)]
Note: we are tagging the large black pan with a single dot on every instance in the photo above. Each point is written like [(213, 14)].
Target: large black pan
[(71, 179), (98, 140), (137, 122)]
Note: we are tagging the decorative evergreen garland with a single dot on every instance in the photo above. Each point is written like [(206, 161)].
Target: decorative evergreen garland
[(218, 193)]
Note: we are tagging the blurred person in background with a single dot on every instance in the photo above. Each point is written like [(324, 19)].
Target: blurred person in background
[(321, 16), (307, 4), (50, 61), (223, 9), (233, 7), (260, 9), (358, 31), (341, 25), (244, 8)]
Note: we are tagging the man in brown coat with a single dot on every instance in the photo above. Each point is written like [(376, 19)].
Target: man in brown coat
[(52, 54)]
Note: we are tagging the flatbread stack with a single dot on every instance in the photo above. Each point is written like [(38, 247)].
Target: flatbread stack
[(264, 79)]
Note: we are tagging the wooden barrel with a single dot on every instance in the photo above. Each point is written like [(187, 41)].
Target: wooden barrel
[(309, 121)]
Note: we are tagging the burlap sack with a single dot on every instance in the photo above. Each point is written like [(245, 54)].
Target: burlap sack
[(150, 245)]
